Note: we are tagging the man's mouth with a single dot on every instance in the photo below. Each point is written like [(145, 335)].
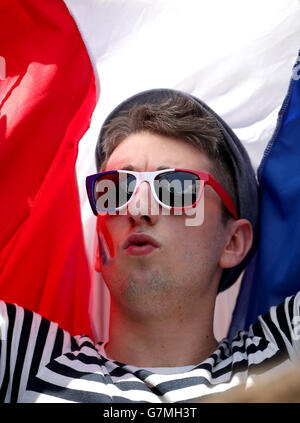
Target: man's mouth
[(140, 244)]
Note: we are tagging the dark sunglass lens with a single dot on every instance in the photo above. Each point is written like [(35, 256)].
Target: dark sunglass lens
[(113, 190), (177, 189)]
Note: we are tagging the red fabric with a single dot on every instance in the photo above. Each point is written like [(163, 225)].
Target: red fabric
[(46, 102)]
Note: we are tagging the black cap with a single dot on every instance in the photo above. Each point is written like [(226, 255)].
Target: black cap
[(244, 175)]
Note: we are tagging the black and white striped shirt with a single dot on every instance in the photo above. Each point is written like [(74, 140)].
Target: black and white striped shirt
[(39, 362)]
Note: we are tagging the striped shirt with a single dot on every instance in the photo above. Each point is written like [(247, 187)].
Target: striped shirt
[(40, 362)]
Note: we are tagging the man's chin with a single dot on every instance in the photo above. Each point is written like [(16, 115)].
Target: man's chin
[(147, 282)]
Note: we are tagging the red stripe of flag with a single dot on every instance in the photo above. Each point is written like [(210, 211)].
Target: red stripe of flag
[(46, 102)]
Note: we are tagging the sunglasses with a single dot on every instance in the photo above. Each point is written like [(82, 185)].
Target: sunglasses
[(112, 191)]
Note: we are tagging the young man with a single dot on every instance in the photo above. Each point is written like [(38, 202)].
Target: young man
[(177, 203)]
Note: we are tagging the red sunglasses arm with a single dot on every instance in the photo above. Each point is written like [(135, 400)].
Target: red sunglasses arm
[(223, 195)]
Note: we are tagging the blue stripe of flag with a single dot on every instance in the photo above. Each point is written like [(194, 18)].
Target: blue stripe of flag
[(274, 272)]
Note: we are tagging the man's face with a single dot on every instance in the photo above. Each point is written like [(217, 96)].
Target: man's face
[(184, 265)]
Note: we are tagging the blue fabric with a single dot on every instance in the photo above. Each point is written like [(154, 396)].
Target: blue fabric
[(274, 272)]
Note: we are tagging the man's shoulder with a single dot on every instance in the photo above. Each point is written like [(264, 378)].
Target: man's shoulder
[(276, 332)]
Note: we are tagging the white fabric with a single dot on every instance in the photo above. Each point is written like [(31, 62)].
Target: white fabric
[(235, 55)]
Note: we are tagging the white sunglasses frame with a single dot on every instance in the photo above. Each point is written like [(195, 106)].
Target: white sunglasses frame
[(150, 177)]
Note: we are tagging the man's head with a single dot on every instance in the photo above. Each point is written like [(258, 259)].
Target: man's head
[(169, 115), (177, 117)]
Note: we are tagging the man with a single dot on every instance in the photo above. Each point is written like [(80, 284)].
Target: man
[(177, 201)]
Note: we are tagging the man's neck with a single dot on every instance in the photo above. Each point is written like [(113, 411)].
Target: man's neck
[(161, 342)]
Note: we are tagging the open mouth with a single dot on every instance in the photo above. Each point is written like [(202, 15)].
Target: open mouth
[(140, 244), (140, 249)]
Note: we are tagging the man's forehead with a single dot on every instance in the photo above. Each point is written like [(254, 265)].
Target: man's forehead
[(143, 164), (152, 152)]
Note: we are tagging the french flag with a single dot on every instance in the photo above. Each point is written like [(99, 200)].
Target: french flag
[(55, 56), (274, 272), (47, 99)]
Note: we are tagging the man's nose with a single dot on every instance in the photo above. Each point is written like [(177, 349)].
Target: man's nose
[(143, 205)]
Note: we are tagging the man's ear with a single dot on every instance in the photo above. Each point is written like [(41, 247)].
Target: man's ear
[(239, 241)]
